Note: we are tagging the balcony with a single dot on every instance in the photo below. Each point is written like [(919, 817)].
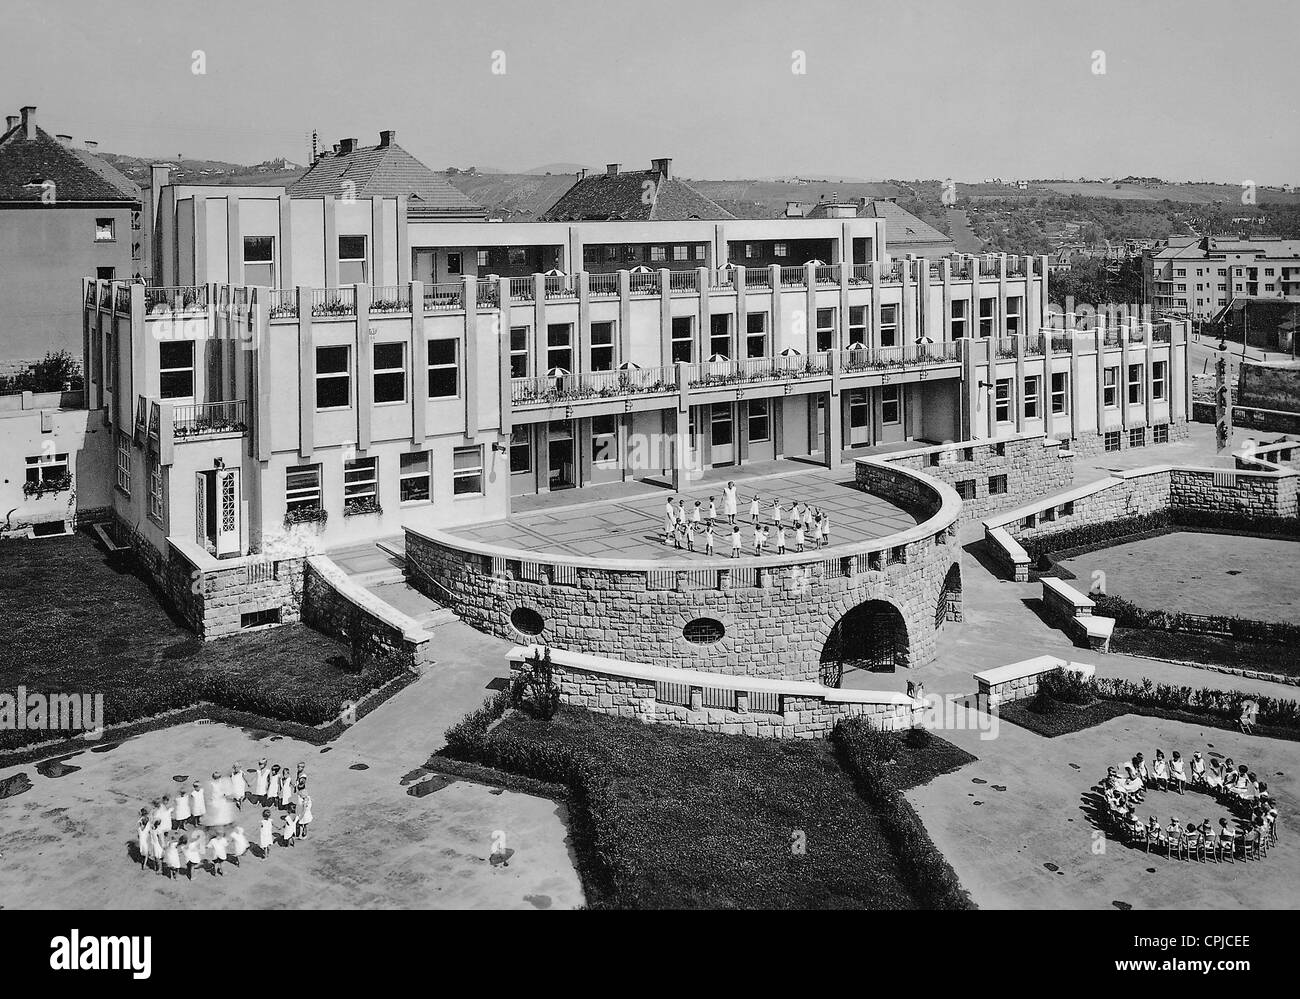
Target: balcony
[(751, 370), (876, 360), (333, 302), (176, 298), (591, 386), (207, 419)]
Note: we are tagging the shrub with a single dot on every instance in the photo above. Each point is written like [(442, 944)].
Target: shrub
[(1066, 686), (918, 738), (465, 739), (533, 689), (1129, 615)]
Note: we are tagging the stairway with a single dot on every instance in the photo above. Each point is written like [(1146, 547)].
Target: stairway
[(380, 569)]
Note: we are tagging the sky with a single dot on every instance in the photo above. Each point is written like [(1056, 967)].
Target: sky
[(973, 89)]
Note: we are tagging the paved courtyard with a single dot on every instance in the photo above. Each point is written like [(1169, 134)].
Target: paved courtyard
[(632, 527)]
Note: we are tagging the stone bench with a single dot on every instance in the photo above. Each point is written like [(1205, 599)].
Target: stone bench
[(1019, 680), (1073, 611), (1008, 552)]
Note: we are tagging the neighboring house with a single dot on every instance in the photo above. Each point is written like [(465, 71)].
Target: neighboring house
[(619, 195), (64, 214), (904, 232), (1199, 278)]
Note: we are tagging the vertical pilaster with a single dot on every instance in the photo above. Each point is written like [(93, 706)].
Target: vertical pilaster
[(665, 318), (331, 242), (365, 368), (286, 275), (470, 360), (420, 369), (306, 378)]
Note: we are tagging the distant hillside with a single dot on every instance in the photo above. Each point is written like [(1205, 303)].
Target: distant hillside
[(515, 197), (187, 171)]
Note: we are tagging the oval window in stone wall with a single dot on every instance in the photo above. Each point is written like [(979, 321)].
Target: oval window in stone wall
[(703, 631), (527, 621)]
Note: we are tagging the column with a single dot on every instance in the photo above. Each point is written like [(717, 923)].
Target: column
[(469, 362), (365, 368), (420, 368), (832, 432), (306, 378)]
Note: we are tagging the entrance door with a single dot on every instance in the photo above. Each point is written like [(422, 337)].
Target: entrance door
[(859, 418), (562, 459), (817, 432), (722, 434), (218, 503), (422, 266)]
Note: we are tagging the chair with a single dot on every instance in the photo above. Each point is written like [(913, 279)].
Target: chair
[(1178, 843), (1227, 845), (1250, 846), (1196, 846)]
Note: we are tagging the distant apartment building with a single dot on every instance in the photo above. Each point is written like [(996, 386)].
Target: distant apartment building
[(64, 214), (318, 368), (1200, 278)]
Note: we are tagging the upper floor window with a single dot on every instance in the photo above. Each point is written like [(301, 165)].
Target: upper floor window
[(1158, 376), (756, 334), (176, 369), (1013, 315), (444, 369), (889, 326), (1060, 391), (858, 324), (352, 260), (780, 250), (333, 377), (1031, 397), (454, 264), (959, 318), (683, 335), (390, 372), (681, 252), (825, 329), (1109, 387), (986, 316), (481, 257), (719, 336), (559, 347), (105, 230), (518, 351), (1002, 400), (602, 346), (259, 261), (1135, 383), (658, 253)]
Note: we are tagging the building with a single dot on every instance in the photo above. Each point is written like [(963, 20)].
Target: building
[(1199, 278), (64, 214), (907, 233), (619, 195)]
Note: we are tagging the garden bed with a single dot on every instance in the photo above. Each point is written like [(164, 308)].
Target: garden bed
[(665, 817), (1207, 650)]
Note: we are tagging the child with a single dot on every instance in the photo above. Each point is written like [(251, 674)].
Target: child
[(156, 844), (217, 844), (181, 808), (826, 529), (197, 807), (735, 541), (1177, 772), (777, 512), (708, 539), (690, 538), (696, 515), (677, 539), (238, 786), (193, 855), (289, 832), (264, 835), (817, 531), (670, 521), (286, 787), (729, 501), (305, 816), (1198, 769), (754, 506), (780, 539), (142, 837), (681, 513), (712, 511), (238, 844), (173, 856), (261, 782), (758, 534), (798, 536), (164, 813)]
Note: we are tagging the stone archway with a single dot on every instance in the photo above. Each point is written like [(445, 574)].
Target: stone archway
[(947, 606), (869, 637)]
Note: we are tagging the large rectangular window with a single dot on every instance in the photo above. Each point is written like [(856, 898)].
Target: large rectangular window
[(760, 425), (105, 230), (124, 462), (413, 477), (1134, 383), (1110, 388), (1031, 397), (155, 488), (756, 334), (360, 484), (604, 439), (390, 372), (825, 329), (1159, 370), (467, 471), (1060, 391), (889, 326), (176, 369), (859, 409), (959, 307), (1002, 400), (720, 424), (987, 306), (559, 347), (444, 369), (602, 346), (519, 351), (891, 405), (1013, 315), (521, 450), (857, 325), (352, 260), (683, 333), (302, 488), (259, 261), (48, 470), (720, 336), (333, 377)]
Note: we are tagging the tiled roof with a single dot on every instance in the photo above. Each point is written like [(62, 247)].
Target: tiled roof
[(632, 195), (902, 228), (387, 171), (77, 175)]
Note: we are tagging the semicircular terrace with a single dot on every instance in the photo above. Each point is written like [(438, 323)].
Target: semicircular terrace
[(775, 612)]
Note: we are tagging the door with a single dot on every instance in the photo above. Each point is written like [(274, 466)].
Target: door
[(722, 434), (817, 429), (422, 266), (228, 505), (561, 455), (859, 418)]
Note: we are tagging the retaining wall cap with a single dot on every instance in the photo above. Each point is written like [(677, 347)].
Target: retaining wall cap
[(1014, 550), (719, 681), (1066, 592), (1024, 668)]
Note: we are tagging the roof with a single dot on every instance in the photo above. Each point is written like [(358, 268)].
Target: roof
[(635, 196), (901, 226), (78, 175), (387, 171)]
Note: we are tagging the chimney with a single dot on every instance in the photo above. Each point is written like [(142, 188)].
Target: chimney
[(388, 137), (612, 169), (664, 166), (64, 139), (10, 121), (29, 121), (336, 149), (347, 146), (159, 174), (92, 145)]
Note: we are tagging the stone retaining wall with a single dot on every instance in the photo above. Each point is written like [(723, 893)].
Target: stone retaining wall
[(1017, 681), (335, 605)]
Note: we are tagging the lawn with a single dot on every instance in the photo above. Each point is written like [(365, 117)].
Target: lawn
[(667, 818), (1207, 650), (80, 620)]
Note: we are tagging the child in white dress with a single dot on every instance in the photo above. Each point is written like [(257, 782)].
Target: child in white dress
[(670, 521), (173, 856), (261, 783), (142, 836), (777, 513), (286, 787), (798, 536), (305, 816), (755, 505), (289, 831), (197, 806), (181, 808), (1178, 773), (238, 844), (265, 837), (156, 844), (735, 541), (780, 539), (238, 786), (729, 501), (218, 846), (193, 854), (708, 539), (711, 511)]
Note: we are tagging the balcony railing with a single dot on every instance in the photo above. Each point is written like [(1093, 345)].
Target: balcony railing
[(861, 274), (181, 298), (683, 282), (795, 276), (488, 295), (1004, 348), (758, 277), (643, 283), (870, 359), (208, 418), (1162, 333), (826, 274), (283, 303), (602, 285), (547, 390), (90, 294), (560, 286), (333, 301), (105, 296), (521, 289), (122, 299), (444, 297), (391, 298), (716, 374)]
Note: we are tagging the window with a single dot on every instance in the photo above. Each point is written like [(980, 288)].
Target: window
[(1013, 315), (47, 468), (390, 372), (749, 251), (720, 423), (105, 230), (559, 347), (658, 253), (682, 336), (604, 439), (176, 369), (858, 324), (1137, 437), (1158, 373), (997, 485), (780, 250), (825, 329), (521, 450), (959, 318), (1160, 433), (986, 316), (124, 462), (260, 618), (891, 405), (759, 424), (105, 273), (704, 631), (482, 257), (602, 346), (155, 488), (467, 471), (889, 325), (1112, 440), (1060, 391), (454, 264), (720, 336), (516, 256), (413, 477), (352, 260), (1109, 387), (681, 252), (966, 488), (527, 621), (756, 334), (333, 377), (1031, 397), (1134, 383), (302, 487), (360, 484), (1002, 400), (859, 409), (699, 251), (259, 261), (519, 352), (444, 369)]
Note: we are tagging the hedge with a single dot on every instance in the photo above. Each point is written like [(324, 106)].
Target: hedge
[(1129, 615)]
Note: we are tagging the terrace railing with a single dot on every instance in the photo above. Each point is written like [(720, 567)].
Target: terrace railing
[(283, 303), (547, 390), (870, 359), (122, 299), (793, 276), (715, 374), (444, 297), (644, 283), (560, 286), (180, 298), (208, 418), (861, 274), (333, 301), (488, 295), (1004, 348), (683, 282), (391, 298), (758, 277), (602, 285), (521, 289), (825, 274)]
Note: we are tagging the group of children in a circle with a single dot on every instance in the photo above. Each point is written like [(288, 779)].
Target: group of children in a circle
[(807, 524), (163, 843)]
